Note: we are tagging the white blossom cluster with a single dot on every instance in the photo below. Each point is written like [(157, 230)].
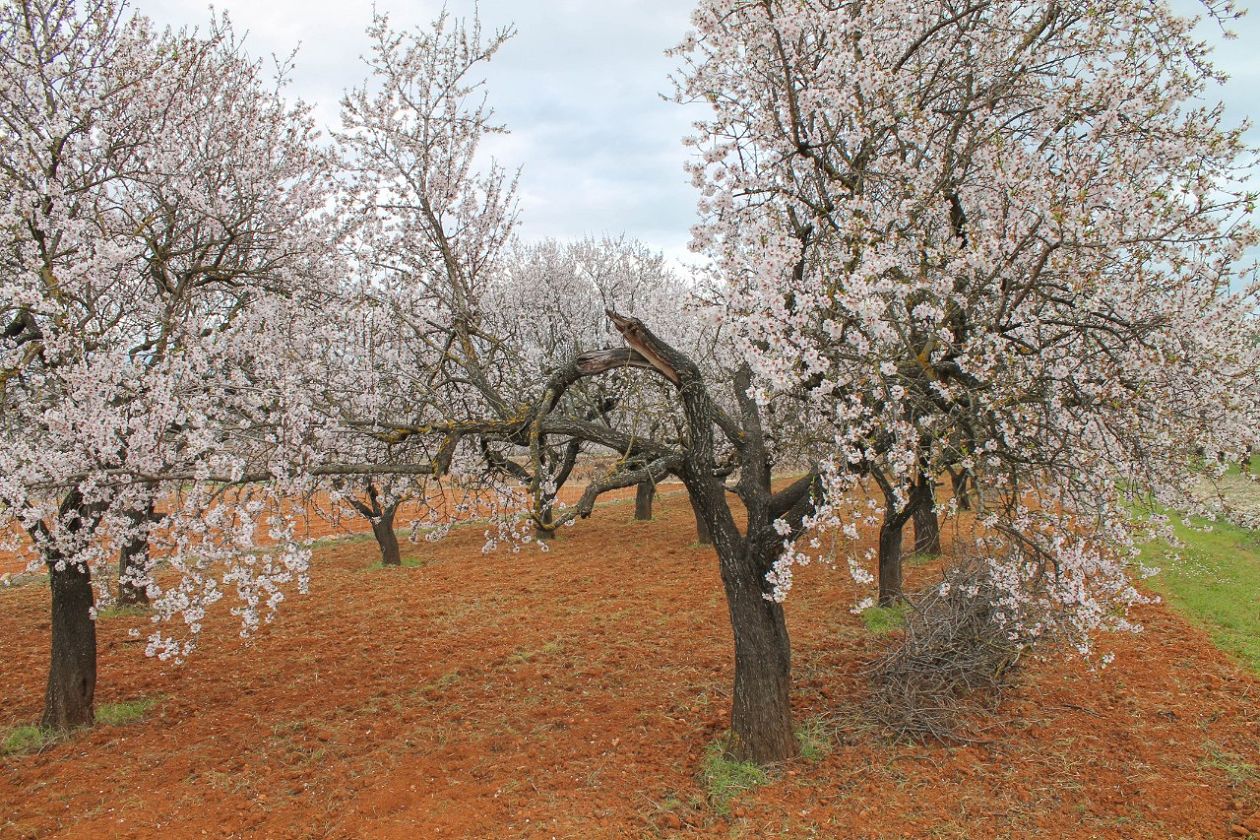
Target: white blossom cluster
[(160, 208)]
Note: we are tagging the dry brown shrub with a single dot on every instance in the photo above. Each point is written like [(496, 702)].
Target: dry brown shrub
[(941, 679)]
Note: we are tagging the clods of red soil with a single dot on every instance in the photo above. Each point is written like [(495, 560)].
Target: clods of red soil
[(572, 694)]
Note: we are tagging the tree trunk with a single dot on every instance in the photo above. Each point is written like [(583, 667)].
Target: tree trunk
[(703, 535), (927, 529), (958, 481), (546, 534), (133, 563), (761, 714), (761, 710), (643, 500), (72, 669), (890, 560), (383, 529)]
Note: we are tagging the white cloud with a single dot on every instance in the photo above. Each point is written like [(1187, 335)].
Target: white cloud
[(579, 88)]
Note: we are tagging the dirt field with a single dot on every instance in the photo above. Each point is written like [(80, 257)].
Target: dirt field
[(572, 694)]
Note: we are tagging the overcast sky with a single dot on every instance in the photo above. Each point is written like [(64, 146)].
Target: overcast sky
[(579, 88)]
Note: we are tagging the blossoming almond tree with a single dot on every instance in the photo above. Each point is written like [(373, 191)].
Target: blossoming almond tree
[(360, 366), (157, 196), (467, 324), (998, 238), (547, 303), (424, 231), (432, 229)]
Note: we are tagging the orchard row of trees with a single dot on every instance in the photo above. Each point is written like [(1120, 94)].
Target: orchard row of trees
[(998, 241)]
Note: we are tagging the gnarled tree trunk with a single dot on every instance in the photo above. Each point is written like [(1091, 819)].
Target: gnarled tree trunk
[(761, 712), (72, 661), (72, 666), (544, 531), (703, 536), (643, 496), (890, 532), (890, 559), (927, 529), (386, 538), (381, 518), (133, 562)]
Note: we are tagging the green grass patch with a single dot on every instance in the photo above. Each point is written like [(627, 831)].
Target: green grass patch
[(1237, 770), (124, 712), (409, 562), (724, 779), (27, 739), (815, 738), (1215, 580), (443, 682), (880, 620)]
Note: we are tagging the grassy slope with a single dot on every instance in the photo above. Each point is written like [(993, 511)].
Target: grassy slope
[(1214, 579)]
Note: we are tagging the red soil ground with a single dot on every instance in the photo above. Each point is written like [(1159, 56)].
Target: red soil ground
[(572, 694)]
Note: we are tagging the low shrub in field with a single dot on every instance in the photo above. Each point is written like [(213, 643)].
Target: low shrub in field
[(952, 661)]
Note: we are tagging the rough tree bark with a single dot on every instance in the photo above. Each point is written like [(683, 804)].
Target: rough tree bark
[(68, 699), (133, 562), (545, 526), (761, 714), (890, 559), (643, 496), (890, 535), (72, 668), (761, 717), (703, 536), (381, 517), (959, 481), (386, 538), (927, 528)]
